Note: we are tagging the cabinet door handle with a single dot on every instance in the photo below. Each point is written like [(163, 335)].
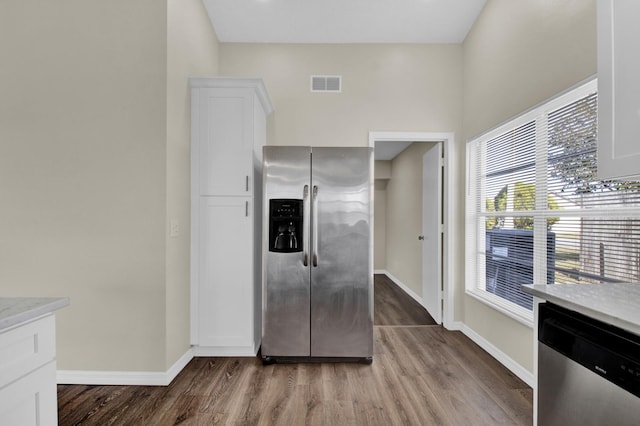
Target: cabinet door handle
[(246, 208), (247, 184)]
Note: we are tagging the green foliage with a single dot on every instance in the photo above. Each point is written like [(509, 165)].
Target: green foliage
[(573, 136), (524, 198), (500, 201), (498, 204), (491, 222)]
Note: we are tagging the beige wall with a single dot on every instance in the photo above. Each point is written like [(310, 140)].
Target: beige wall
[(380, 225), (94, 151), (409, 87), (382, 176), (82, 172), (517, 55), (192, 50), (387, 87), (382, 169), (84, 175)]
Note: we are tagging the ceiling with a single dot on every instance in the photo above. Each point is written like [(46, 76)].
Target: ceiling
[(388, 150), (343, 21)]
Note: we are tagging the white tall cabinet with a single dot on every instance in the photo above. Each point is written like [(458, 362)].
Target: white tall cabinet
[(618, 89), (228, 131)]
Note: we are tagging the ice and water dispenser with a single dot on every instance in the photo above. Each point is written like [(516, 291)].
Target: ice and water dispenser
[(285, 225)]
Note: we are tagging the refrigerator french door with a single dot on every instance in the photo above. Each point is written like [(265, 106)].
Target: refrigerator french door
[(318, 261)]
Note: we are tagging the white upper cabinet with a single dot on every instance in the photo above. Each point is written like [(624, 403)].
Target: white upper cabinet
[(228, 119), (618, 89)]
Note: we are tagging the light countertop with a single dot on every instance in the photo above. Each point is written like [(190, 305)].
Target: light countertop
[(613, 303), (16, 310)]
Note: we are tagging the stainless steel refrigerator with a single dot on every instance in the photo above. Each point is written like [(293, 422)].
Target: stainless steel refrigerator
[(318, 261)]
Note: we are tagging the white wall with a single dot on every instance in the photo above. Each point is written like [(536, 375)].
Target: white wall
[(89, 167), (517, 55)]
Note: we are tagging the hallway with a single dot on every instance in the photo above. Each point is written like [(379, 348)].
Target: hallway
[(392, 306)]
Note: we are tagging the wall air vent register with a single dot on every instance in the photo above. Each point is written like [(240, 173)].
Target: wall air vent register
[(326, 83)]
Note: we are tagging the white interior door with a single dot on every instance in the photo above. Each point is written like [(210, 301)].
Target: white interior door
[(432, 165)]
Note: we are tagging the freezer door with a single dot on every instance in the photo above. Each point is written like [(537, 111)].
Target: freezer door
[(342, 259), (285, 310)]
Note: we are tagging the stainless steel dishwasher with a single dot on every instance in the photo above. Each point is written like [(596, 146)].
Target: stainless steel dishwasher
[(588, 371)]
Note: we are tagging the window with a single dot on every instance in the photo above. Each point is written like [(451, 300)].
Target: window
[(536, 212)]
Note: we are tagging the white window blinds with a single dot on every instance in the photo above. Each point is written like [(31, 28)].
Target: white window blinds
[(536, 213)]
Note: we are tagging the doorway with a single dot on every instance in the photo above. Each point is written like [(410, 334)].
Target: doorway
[(426, 247)]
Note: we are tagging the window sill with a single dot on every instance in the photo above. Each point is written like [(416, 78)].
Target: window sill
[(518, 313)]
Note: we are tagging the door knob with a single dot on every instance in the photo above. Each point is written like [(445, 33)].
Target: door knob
[(421, 237)]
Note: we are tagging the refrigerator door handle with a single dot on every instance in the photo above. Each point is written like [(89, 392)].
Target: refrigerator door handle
[(305, 221), (314, 235)]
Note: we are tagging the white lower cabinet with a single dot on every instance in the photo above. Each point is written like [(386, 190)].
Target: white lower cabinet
[(28, 393), (225, 294), (31, 400)]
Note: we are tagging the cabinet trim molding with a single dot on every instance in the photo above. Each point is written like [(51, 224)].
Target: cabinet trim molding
[(236, 83)]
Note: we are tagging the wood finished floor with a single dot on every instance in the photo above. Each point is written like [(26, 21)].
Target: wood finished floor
[(392, 306), (421, 375)]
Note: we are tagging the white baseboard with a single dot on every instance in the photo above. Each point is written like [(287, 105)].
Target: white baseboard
[(141, 378), (224, 351), (400, 284), (179, 365), (455, 326), (517, 369)]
